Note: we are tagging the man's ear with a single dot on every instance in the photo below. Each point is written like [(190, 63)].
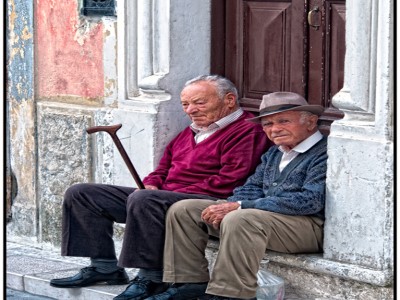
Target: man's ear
[(312, 122), (230, 99)]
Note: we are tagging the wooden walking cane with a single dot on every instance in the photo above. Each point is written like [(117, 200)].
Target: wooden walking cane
[(112, 131)]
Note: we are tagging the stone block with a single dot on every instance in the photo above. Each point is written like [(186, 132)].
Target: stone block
[(63, 159), (359, 203)]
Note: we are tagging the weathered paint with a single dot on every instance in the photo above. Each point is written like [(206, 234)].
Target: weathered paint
[(21, 113), (69, 51), (23, 165), (20, 54)]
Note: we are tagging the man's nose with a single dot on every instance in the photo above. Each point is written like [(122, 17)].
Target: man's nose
[(275, 128), (191, 108)]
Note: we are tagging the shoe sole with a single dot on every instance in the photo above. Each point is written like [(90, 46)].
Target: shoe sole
[(109, 282)]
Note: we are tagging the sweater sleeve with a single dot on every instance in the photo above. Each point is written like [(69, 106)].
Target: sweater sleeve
[(158, 176)]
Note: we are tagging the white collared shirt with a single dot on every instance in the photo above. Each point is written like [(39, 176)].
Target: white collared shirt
[(203, 133), (288, 156)]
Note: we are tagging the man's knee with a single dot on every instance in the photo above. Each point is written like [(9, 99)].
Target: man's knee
[(233, 219), (186, 204), (142, 200), (245, 218), (188, 207), (74, 192), (180, 207)]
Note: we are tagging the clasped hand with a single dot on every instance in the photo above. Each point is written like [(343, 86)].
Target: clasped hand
[(214, 214)]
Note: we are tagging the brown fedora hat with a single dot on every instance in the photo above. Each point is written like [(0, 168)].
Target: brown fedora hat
[(278, 102)]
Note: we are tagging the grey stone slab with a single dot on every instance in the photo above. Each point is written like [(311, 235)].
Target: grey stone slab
[(30, 268), (40, 286), (46, 254), (15, 281), (13, 246), (18, 295), (22, 264), (37, 282)]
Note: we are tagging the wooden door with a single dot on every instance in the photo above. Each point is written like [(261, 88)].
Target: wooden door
[(268, 46)]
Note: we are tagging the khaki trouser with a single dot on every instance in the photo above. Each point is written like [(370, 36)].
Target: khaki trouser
[(244, 235)]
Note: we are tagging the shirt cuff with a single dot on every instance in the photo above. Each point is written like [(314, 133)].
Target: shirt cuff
[(240, 202)]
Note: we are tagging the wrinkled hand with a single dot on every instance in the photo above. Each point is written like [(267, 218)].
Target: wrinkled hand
[(214, 214)]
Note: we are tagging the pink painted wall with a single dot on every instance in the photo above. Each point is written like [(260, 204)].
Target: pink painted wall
[(69, 51)]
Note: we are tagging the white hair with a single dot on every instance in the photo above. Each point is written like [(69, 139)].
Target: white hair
[(304, 115), (223, 85)]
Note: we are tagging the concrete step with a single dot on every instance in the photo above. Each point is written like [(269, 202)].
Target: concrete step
[(18, 295), (30, 267), (312, 277)]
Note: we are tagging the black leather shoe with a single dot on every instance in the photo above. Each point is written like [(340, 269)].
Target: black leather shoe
[(182, 291), (140, 288), (89, 276)]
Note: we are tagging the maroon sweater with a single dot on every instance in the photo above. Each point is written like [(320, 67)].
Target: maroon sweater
[(214, 166)]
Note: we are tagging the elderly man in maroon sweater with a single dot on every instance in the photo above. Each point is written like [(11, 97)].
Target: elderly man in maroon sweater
[(207, 160)]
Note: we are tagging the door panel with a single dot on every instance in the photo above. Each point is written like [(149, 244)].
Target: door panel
[(326, 50), (273, 46), (265, 63), (264, 48)]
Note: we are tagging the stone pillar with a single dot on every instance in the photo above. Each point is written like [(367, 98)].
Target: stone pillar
[(359, 205)]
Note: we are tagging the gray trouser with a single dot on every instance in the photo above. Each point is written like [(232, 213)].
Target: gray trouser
[(244, 234)]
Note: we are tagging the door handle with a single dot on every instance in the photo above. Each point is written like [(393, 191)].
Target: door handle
[(311, 15)]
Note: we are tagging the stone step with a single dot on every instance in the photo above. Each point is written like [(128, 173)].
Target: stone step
[(30, 267), (310, 276)]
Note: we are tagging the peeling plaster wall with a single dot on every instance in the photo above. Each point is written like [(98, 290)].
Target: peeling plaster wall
[(20, 91), (70, 59), (75, 67), (69, 52), (50, 70)]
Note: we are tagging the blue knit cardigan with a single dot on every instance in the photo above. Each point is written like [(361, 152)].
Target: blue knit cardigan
[(299, 190)]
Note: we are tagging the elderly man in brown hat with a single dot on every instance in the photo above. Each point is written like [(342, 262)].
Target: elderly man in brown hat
[(280, 207)]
